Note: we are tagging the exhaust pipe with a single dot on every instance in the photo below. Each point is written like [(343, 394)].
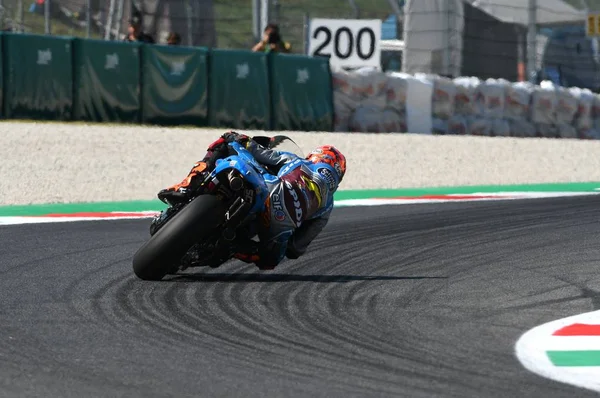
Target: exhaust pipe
[(235, 182)]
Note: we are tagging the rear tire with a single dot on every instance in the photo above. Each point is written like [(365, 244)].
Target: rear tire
[(168, 245)]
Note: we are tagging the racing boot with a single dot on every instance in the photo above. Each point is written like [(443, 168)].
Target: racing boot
[(249, 253), (245, 249), (247, 257), (183, 191)]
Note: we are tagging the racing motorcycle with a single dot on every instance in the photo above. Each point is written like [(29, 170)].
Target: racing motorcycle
[(203, 230)]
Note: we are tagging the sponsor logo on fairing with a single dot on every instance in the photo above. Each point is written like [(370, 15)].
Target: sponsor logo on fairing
[(289, 166), (279, 214), (326, 174), (297, 206)]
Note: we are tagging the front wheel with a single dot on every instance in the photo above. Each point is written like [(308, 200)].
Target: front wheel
[(169, 244)]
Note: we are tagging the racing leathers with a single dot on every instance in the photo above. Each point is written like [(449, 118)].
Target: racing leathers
[(298, 208)]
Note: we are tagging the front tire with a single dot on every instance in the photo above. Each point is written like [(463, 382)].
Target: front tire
[(168, 245)]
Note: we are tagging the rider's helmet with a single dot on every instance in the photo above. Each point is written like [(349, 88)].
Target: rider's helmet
[(330, 155)]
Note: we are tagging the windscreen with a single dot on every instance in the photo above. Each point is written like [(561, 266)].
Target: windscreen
[(285, 144)]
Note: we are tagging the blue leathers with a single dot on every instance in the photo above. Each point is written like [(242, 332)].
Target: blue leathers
[(298, 208)]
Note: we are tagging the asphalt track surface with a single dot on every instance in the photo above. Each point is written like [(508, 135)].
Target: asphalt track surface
[(415, 300)]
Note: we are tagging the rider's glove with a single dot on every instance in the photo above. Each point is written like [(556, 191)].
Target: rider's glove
[(228, 137), (232, 136), (216, 145)]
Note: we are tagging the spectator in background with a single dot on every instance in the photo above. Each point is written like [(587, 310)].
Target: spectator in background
[(174, 39), (135, 33), (272, 41)]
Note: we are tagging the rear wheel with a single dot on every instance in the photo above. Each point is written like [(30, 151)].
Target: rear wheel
[(196, 221)]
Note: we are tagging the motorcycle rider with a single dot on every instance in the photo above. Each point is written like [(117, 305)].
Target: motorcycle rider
[(300, 201)]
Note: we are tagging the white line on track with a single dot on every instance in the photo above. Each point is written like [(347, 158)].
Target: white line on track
[(472, 197)]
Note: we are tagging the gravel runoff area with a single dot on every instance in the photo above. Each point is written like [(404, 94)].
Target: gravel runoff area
[(75, 162)]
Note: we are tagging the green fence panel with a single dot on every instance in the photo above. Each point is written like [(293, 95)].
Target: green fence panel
[(175, 85), (239, 90), (301, 93), (107, 81), (2, 57), (38, 77)]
